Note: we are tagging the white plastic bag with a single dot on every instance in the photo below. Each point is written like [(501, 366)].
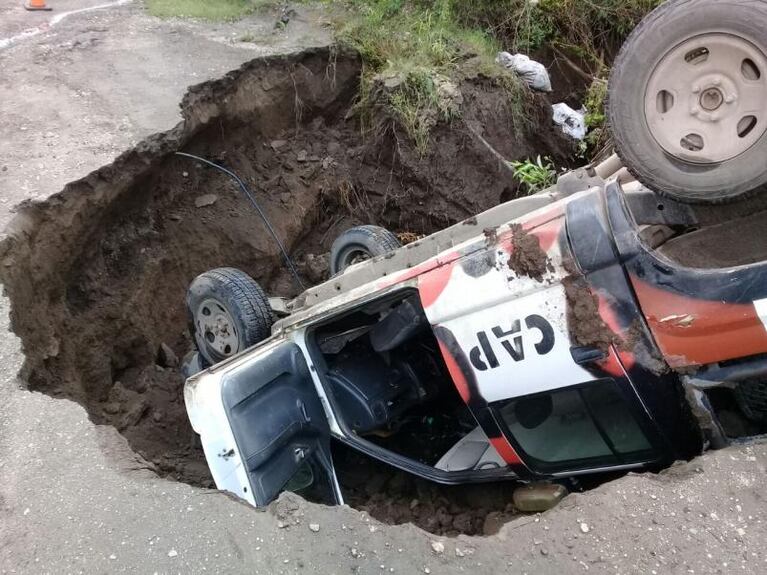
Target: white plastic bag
[(533, 73), (573, 122)]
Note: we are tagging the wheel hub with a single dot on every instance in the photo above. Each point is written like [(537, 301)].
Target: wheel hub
[(706, 99), (711, 99), (217, 328)]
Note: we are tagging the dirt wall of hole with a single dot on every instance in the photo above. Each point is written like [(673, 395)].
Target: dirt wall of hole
[(97, 273)]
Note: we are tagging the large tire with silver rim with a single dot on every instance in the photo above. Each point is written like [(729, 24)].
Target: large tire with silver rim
[(228, 312), (359, 244), (688, 99)]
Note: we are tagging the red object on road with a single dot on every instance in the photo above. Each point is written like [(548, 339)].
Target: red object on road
[(36, 5)]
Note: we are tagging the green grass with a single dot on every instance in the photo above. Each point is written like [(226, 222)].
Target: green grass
[(214, 10), (421, 43), (587, 30), (535, 175)]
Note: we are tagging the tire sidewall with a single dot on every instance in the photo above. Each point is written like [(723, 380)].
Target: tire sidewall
[(205, 288), (371, 240), (627, 93)]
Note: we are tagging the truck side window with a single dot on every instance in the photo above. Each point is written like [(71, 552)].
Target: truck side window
[(577, 426)]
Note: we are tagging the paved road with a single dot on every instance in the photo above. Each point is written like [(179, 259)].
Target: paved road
[(74, 498)]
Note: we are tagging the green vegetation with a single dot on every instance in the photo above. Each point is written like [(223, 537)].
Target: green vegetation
[(421, 39), (419, 45), (596, 99), (535, 175), (215, 10), (588, 30)]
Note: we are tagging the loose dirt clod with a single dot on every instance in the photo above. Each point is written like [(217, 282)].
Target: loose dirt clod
[(527, 258), (97, 274), (586, 326)]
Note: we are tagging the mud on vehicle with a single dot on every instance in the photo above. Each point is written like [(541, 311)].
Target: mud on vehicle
[(601, 325)]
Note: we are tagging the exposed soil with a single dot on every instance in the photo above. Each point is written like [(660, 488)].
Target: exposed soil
[(527, 258), (586, 326), (396, 497), (97, 273)]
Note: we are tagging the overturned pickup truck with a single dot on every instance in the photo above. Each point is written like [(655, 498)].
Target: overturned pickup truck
[(568, 339), (595, 327)]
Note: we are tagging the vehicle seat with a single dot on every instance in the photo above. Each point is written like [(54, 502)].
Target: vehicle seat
[(473, 451)]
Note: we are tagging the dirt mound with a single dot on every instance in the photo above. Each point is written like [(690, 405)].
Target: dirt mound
[(97, 273)]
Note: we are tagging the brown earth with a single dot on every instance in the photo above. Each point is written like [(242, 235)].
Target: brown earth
[(97, 273), (527, 257)]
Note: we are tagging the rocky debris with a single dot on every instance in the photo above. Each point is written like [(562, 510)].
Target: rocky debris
[(205, 200), (315, 268), (276, 145), (438, 547), (315, 527), (166, 357)]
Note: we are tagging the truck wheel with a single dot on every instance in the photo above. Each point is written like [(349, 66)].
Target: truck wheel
[(228, 312), (688, 100), (360, 244), (751, 396)]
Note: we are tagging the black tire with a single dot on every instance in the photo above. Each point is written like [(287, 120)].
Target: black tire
[(751, 396), (225, 291), (665, 29), (360, 243)]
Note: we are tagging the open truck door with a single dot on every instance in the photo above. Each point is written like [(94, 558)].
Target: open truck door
[(263, 427)]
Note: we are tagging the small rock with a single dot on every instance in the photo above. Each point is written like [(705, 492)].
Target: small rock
[(166, 357), (185, 174), (328, 162), (438, 546), (544, 552), (277, 144), (175, 217), (585, 527), (205, 200), (113, 556), (314, 527), (538, 497), (157, 416), (354, 552), (414, 503), (172, 553), (301, 156), (112, 408), (426, 570), (459, 553)]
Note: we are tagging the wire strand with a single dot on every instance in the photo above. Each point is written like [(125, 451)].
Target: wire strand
[(267, 223)]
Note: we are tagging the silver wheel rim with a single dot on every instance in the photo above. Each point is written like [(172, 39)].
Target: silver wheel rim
[(706, 99), (216, 327)]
